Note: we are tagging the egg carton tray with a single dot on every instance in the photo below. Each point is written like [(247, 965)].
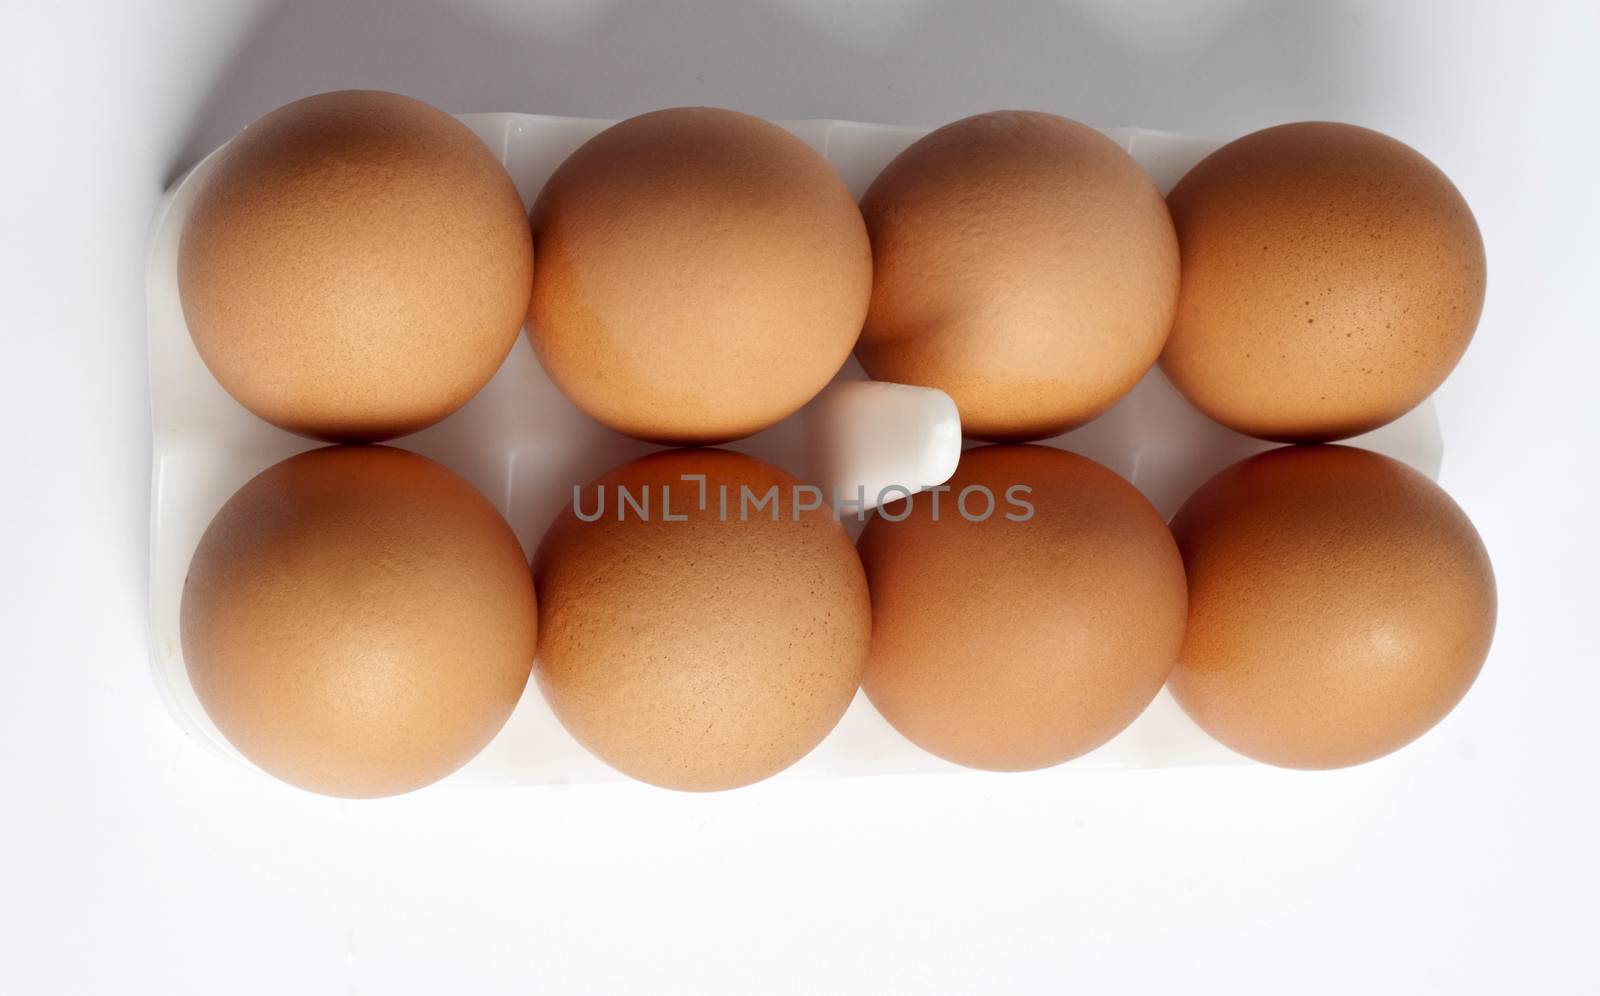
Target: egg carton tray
[(522, 444)]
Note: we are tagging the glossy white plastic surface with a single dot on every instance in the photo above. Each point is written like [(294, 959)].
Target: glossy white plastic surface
[(525, 447)]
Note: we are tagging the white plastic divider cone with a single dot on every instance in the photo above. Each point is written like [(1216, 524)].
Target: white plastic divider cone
[(525, 446)]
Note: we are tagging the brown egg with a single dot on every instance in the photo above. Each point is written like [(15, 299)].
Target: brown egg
[(1033, 634), (708, 651), (1340, 605), (702, 275), (355, 266), (1024, 264), (1332, 277), (358, 621)]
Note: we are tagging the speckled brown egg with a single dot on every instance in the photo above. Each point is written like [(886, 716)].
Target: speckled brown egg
[(358, 621), (702, 275), (704, 632), (355, 266), (1332, 278), (1029, 635), (1024, 264), (1340, 604)]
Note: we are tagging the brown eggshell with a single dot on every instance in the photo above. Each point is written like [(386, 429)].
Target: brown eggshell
[(355, 266), (358, 621), (707, 653), (1332, 278), (702, 275), (1012, 645), (1340, 604), (1024, 264)]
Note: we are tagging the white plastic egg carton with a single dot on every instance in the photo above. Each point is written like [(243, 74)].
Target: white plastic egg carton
[(525, 447)]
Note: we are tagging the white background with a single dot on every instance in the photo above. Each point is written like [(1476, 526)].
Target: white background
[(130, 861)]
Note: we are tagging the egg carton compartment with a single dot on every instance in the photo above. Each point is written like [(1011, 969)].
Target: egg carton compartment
[(522, 444)]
